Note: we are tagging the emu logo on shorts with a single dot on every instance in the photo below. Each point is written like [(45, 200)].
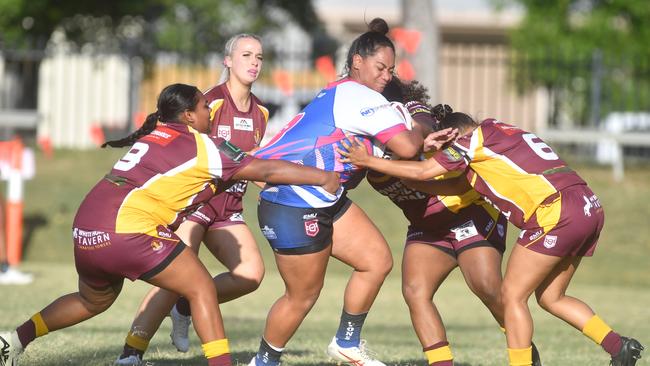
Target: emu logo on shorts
[(550, 241), (157, 245), (311, 227)]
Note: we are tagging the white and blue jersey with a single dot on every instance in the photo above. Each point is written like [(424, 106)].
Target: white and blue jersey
[(342, 109)]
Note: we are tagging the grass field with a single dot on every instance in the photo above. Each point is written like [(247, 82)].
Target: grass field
[(616, 282)]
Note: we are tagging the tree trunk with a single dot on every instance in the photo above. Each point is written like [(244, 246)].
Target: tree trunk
[(419, 15)]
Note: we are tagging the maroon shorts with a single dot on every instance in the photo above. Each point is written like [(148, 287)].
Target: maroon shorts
[(566, 224), (104, 258), (473, 226), (222, 210)]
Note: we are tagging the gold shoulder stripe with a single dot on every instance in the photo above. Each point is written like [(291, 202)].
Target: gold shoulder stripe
[(265, 112), (214, 107)]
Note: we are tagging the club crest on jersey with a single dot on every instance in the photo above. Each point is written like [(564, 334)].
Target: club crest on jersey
[(550, 241), (224, 132), (452, 154), (157, 245), (311, 227), (243, 124), (257, 136)]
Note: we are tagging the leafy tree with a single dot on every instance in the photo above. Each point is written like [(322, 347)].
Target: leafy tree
[(592, 54), (189, 27)]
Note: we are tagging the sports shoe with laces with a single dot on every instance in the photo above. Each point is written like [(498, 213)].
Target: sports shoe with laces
[(357, 356), (132, 360), (12, 276), (8, 349), (180, 327), (629, 353)]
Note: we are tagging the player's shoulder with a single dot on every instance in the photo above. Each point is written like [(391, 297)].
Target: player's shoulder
[(215, 93)]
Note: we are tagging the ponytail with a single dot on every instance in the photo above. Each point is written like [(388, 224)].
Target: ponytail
[(172, 101), (146, 128)]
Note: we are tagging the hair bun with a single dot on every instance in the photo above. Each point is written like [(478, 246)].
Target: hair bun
[(440, 111), (378, 25)]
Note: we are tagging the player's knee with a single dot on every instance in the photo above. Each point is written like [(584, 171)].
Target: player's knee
[(487, 290), (511, 294), (415, 292), (547, 301), (384, 266), (249, 278)]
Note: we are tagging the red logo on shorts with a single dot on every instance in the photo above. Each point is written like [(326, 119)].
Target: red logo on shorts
[(311, 227)]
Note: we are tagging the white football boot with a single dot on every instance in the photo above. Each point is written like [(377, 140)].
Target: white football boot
[(10, 349), (132, 360), (180, 328), (357, 356)]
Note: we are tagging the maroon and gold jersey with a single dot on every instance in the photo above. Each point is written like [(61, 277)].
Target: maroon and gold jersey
[(512, 168), (244, 129), (418, 206), (164, 175)]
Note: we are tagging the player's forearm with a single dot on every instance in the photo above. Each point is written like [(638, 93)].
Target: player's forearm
[(412, 170)]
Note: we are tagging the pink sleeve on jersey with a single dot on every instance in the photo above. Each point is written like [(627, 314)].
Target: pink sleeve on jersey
[(389, 133)]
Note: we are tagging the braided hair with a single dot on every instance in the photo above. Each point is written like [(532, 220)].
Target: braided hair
[(172, 101), (367, 44)]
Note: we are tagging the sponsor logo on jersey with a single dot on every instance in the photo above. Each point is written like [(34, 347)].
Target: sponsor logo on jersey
[(590, 202), (157, 245), (465, 231), (550, 241), (231, 151), (165, 234), (311, 227), (242, 124), (224, 132), (91, 239), (237, 217), (369, 111), (269, 233), (310, 216), (489, 226), (201, 216), (452, 154), (239, 187), (536, 235), (501, 230), (161, 135)]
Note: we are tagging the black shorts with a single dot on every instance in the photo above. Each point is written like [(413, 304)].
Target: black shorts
[(297, 230)]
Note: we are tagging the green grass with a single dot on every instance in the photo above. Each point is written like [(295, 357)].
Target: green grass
[(616, 282)]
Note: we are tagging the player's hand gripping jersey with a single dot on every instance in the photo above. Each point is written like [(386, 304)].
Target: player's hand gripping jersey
[(135, 197), (512, 168), (342, 109)]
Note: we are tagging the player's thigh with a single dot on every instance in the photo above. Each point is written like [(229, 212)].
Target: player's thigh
[(234, 246), (357, 242), (525, 271), (481, 267), (191, 233), (184, 275), (303, 274), (425, 267)]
